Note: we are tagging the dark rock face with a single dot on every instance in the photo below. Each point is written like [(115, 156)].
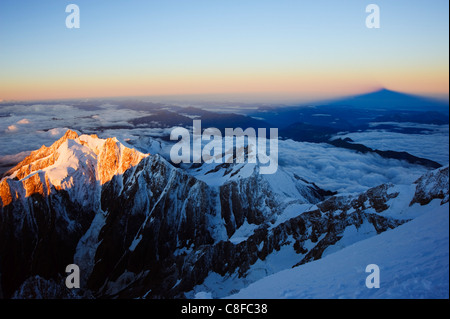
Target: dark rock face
[(157, 232), (37, 239), (432, 185), (168, 210), (37, 287), (246, 199)]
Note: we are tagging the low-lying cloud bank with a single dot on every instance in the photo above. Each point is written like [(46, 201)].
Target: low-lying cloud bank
[(433, 144), (26, 128)]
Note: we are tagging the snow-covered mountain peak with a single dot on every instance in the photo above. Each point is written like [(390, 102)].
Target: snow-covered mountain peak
[(70, 162), (41, 158)]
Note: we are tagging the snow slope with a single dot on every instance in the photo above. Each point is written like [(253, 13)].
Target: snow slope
[(413, 261)]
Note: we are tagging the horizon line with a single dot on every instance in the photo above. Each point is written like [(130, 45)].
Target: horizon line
[(271, 97)]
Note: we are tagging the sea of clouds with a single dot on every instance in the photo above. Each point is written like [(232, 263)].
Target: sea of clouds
[(432, 143), (26, 128), (343, 170)]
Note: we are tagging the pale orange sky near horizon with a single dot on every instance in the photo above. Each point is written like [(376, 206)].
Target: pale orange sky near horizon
[(282, 84), (287, 50), (293, 85)]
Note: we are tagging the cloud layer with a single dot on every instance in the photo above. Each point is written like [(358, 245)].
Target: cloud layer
[(433, 144), (344, 170), (26, 128)]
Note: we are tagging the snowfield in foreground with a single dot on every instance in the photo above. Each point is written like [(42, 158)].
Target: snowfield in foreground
[(413, 261)]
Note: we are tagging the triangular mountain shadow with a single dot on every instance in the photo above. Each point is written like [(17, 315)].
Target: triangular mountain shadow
[(392, 100)]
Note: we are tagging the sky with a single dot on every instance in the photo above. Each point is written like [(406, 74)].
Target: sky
[(261, 48)]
